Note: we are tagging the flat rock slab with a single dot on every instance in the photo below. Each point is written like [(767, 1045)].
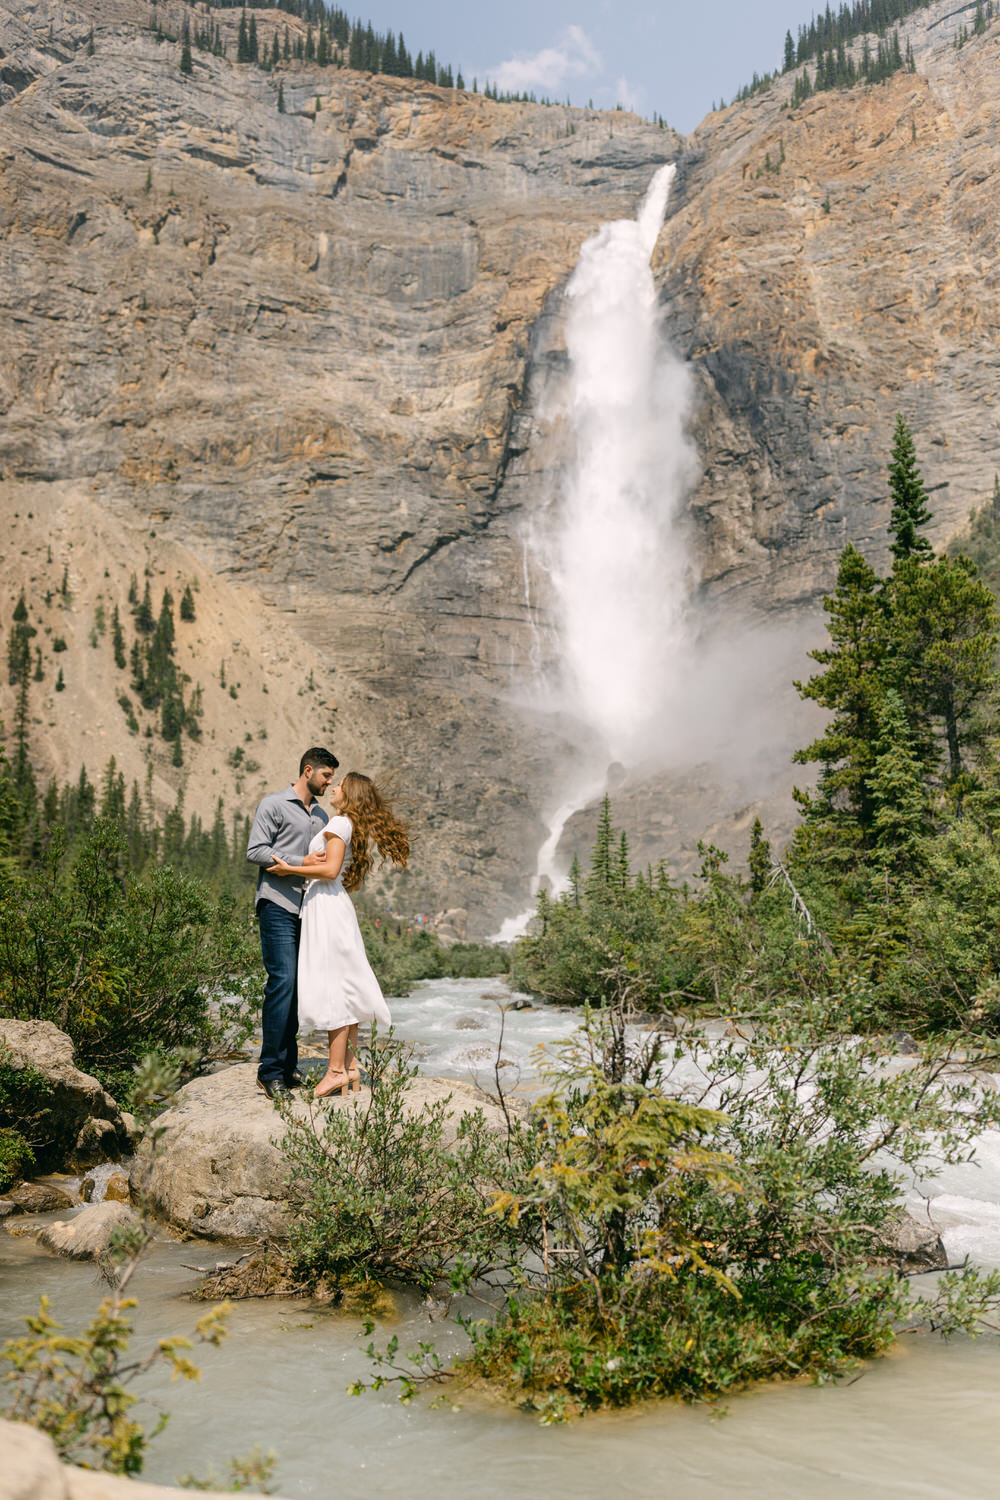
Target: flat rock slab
[(88, 1234), (217, 1168)]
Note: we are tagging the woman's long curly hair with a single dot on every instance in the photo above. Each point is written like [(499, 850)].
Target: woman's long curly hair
[(374, 822)]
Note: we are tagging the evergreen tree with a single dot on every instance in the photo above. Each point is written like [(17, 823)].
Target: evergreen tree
[(253, 45), (118, 640), (187, 64), (909, 498), (145, 622), (945, 630), (760, 860), (19, 645), (281, 111), (899, 796), (601, 877), (243, 40), (851, 686)]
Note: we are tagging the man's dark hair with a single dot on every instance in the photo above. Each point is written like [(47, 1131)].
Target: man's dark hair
[(317, 757)]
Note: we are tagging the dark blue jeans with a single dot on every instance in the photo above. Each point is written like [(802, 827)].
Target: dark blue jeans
[(279, 947)]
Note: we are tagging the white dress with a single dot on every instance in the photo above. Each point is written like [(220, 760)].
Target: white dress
[(336, 985)]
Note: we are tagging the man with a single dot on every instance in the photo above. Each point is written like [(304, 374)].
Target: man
[(283, 826)]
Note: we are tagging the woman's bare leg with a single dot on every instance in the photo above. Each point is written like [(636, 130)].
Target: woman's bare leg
[(353, 1067), (335, 1079)]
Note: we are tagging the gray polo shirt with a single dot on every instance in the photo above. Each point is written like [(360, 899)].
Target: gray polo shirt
[(283, 828)]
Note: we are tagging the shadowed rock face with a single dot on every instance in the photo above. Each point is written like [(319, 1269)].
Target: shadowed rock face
[(301, 346), (856, 278)]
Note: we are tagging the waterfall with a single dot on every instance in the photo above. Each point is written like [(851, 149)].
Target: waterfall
[(612, 546), (609, 539)]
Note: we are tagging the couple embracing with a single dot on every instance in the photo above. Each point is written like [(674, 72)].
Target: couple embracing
[(318, 974)]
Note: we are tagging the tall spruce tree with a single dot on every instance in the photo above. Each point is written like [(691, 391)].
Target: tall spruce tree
[(851, 686), (909, 499), (604, 861), (945, 631), (902, 816)]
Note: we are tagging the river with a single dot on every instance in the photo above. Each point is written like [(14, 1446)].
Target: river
[(921, 1422)]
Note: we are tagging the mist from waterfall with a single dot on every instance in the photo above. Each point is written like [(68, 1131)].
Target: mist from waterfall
[(611, 542)]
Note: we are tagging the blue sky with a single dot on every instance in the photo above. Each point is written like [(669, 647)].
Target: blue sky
[(665, 58)]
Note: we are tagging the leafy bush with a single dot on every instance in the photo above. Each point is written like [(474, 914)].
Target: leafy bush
[(23, 1110), (76, 1388), (701, 1215), (377, 1194), (121, 962)]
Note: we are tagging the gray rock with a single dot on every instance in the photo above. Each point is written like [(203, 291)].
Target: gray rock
[(88, 1234), (35, 1198), (913, 1243), (469, 1023), (83, 1121), (217, 1169)]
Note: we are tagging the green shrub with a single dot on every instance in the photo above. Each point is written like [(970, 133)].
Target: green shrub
[(24, 1130), (118, 961), (377, 1194), (694, 1216)]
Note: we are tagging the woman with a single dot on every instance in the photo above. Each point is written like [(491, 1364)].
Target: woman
[(336, 986)]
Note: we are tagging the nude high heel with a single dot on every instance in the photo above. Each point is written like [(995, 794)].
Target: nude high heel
[(341, 1087)]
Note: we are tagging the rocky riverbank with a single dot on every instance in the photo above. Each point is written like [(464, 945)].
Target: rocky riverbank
[(215, 1168)]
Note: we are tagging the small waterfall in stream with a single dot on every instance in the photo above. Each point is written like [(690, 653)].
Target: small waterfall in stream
[(609, 540)]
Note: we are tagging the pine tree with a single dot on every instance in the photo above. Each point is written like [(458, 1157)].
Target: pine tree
[(603, 860), (909, 498), (945, 631), (899, 796), (851, 686), (760, 860), (243, 40), (144, 621), (789, 62), (281, 111), (118, 639), (187, 64)]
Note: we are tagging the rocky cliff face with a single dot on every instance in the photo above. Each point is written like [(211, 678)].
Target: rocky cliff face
[(291, 356)]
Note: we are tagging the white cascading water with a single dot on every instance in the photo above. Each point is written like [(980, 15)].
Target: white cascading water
[(613, 548), (609, 540)]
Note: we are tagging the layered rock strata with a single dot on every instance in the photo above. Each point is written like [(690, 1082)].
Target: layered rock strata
[(296, 355)]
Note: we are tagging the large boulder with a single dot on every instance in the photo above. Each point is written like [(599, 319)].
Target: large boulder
[(215, 1167), (82, 1123), (31, 1471), (87, 1235)]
